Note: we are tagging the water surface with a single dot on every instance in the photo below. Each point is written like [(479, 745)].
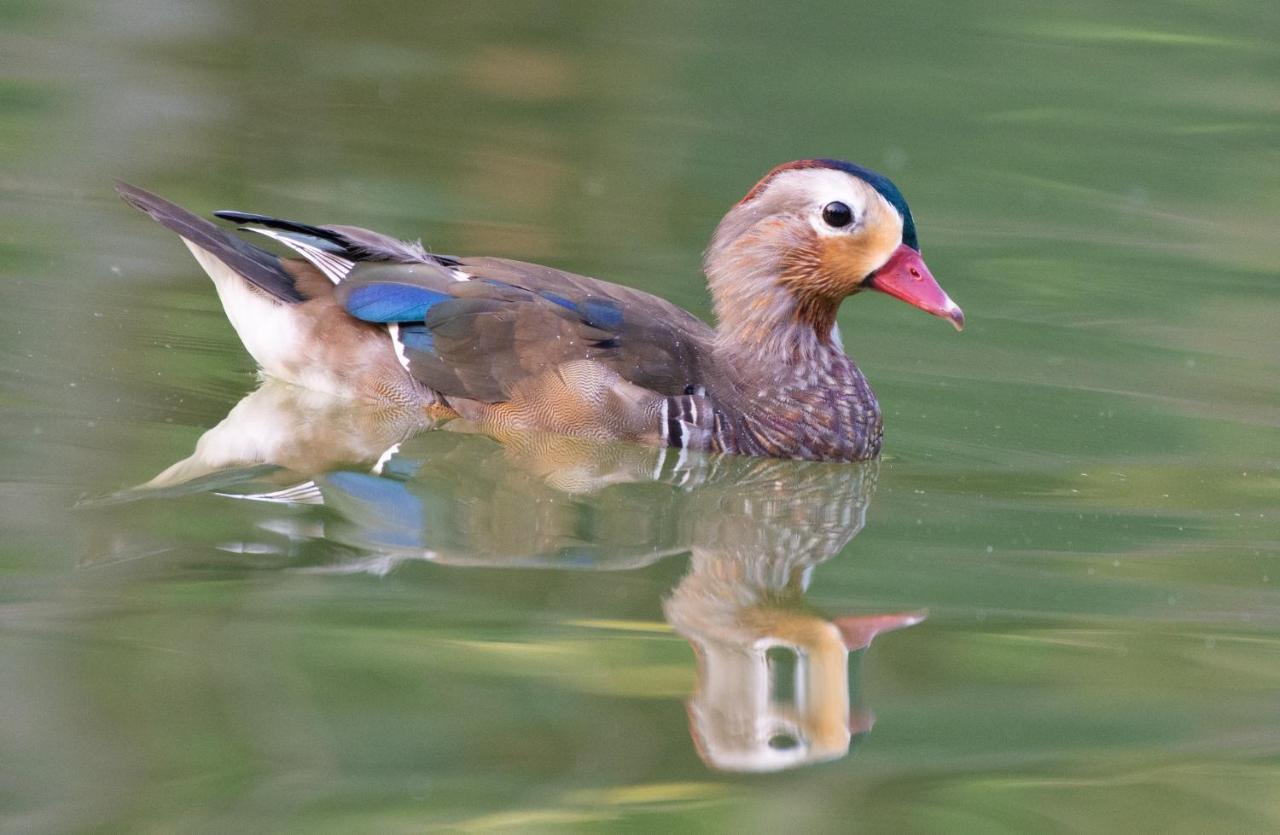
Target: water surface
[(1068, 559)]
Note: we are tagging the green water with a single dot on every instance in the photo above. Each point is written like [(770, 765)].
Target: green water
[(1080, 493)]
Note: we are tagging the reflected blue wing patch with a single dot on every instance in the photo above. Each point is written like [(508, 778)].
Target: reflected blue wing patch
[(382, 510), (392, 302)]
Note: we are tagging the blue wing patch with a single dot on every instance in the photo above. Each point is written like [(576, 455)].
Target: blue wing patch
[(558, 299), (392, 302), (600, 313), (595, 311), (417, 338)]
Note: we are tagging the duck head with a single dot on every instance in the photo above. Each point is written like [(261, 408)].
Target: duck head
[(808, 235)]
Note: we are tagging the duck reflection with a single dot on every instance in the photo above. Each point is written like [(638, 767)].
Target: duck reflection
[(279, 432), (773, 673)]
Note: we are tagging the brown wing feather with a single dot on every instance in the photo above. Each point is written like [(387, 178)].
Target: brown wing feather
[(309, 281), (538, 277), (656, 345), (513, 320)]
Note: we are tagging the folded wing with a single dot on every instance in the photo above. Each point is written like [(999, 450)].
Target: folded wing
[(476, 327)]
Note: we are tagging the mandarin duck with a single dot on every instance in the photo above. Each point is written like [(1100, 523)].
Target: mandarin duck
[(515, 346)]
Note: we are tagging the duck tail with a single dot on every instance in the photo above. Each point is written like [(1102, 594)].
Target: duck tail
[(258, 293), (211, 244)]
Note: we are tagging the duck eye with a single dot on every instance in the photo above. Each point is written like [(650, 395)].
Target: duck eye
[(837, 214)]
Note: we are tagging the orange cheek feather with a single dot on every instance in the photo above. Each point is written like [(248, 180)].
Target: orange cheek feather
[(847, 259)]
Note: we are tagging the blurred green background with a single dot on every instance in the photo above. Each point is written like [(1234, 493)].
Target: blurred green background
[(1081, 489)]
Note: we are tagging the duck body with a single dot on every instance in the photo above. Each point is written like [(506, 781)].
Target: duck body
[(513, 346)]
